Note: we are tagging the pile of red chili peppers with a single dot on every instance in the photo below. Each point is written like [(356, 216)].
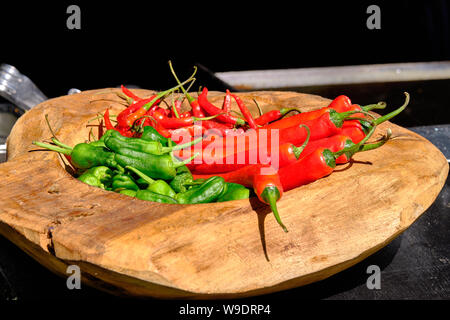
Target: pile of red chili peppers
[(310, 144)]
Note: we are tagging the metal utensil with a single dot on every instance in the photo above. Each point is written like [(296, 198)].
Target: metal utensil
[(19, 89)]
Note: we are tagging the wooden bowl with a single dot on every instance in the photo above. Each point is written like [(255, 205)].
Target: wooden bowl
[(220, 250)]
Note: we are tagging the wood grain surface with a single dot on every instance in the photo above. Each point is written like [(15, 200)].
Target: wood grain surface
[(221, 250)]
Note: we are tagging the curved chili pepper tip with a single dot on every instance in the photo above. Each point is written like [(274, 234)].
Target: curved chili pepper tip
[(375, 145), (393, 113), (271, 195)]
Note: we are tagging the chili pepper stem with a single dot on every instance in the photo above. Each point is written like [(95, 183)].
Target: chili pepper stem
[(347, 115), (371, 146), (140, 174), (60, 144), (338, 118), (188, 96), (182, 146), (125, 97), (175, 111), (361, 146), (271, 195), (53, 148), (285, 111), (49, 126), (207, 118), (178, 163), (379, 105), (393, 113), (354, 148), (259, 108), (163, 93), (299, 150)]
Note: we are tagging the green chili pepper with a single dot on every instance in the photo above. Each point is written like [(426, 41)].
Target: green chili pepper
[(103, 173), (116, 141), (155, 197), (101, 142), (84, 155), (181, 181), (142, 183), (158, 186), (151, 134), (107, 134), (91, 180), (183, 169), (153, 147), (162, 187), (131, 193), (123, 181), (224, 190), (155, 166), (207, 192), (235, 192)]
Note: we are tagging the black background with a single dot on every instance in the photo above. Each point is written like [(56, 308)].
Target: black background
[(130, 42)]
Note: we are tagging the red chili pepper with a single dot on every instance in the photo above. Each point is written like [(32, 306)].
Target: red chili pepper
[(288, 152), (248, 147), (193, 131), (129, 94), (326, 125), (226, 107), (273, 115), (158, 127), (108, 124), (122, 116), (316, 165), (355, 132), (245, 112), (269, 190), (213, 110), (320, 163), (223, 128), (196, 109), (140, 111), (340, 104), (175, 123), (266, 184), (333, 143)]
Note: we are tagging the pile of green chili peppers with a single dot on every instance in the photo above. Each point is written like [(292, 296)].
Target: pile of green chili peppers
[(144, 168)]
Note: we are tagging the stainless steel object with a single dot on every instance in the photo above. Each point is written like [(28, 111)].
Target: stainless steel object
[(73, 91), (303, 77), (19, 89)]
